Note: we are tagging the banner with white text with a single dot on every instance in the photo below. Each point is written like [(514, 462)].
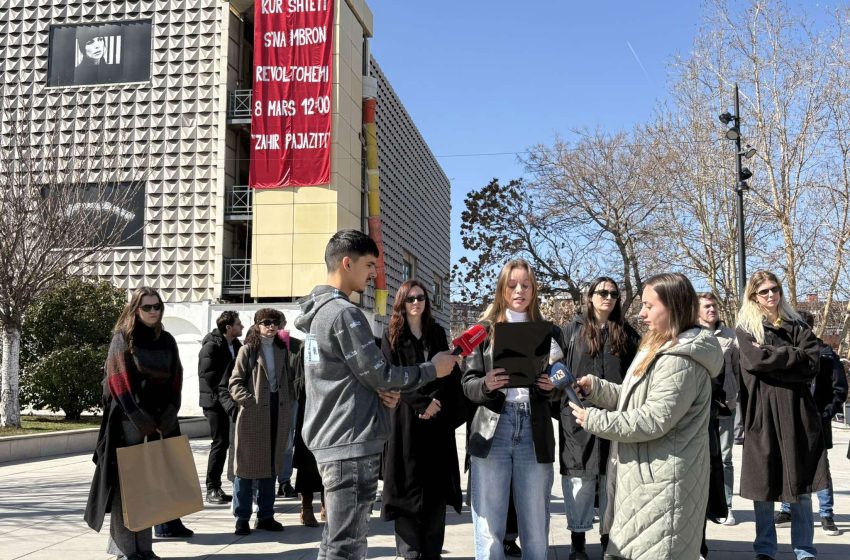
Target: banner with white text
[(291, 103)]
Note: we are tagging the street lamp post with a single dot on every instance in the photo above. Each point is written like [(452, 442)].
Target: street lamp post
[(741, 176), (740, 187)]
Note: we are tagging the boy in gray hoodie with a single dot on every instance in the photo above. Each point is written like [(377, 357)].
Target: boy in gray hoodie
[(349, 391)]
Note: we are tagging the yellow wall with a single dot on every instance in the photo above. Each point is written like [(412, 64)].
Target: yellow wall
[(292, 226)]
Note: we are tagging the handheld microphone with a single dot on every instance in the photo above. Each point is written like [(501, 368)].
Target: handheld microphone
[(469, 340), (561, 378)]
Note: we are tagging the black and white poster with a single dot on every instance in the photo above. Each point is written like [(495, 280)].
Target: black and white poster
[(116, 207), (103, 53)]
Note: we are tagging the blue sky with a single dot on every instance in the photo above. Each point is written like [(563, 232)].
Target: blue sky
[(490, 77)]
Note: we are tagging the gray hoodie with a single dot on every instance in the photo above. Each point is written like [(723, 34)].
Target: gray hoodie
[(344, 369)]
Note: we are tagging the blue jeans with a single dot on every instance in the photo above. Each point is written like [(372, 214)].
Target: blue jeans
[(511, 461), (826, 498), (727, 440), (350, 487), (579, 497), (242, 494), (802, 528), (826, 501), (286, 474)]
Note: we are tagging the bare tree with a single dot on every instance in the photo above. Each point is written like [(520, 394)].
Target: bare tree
[(61, 204), (504, 221), (601, 191)]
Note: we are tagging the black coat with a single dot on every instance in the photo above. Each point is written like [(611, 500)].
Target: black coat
[(105, 479), (420, 458), (784, 454), (830, 390), (582, 453), (213, 360)]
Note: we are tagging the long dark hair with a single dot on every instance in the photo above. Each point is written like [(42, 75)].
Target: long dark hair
[(398, 322), (126, 322), (591, 333), (253, 338)]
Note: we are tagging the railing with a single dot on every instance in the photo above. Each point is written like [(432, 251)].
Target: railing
[(239, 105), (237, 276), (238, 200)]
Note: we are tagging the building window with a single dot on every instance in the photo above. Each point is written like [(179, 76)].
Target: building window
[(408, 266), (438, 292)]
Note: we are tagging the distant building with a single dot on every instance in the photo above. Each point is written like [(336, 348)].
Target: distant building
[(171, 91), (463, 316)]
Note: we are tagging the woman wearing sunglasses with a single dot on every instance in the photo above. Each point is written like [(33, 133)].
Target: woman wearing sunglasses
[(657, 421), (144, 379), (784, 458), (421, 471), (261, 384), (601, 343)]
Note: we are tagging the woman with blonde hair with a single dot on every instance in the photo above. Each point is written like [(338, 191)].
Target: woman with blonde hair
[(144, 379), (511, 439), (657, 420), (784, 457)]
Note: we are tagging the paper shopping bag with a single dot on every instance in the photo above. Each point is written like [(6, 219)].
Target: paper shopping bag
[(158, 482)]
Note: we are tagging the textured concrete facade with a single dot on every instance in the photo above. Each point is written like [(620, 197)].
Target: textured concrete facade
[(167, 131), (176, 134), (415, 201)]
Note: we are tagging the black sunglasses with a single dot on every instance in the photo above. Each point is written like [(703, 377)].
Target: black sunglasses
[(151, 307), (269, 323), (605, 293), (773, 290), (411, 299)]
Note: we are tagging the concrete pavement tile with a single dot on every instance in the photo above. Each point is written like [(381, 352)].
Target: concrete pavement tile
[(41, 505)]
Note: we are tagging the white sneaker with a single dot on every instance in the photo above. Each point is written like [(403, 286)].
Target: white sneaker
[(730, 519)]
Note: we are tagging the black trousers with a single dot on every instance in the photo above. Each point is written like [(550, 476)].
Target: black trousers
[(219, 423), (422, 536)]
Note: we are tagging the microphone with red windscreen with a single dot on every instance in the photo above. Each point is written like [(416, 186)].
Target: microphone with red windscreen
[(469, 340)]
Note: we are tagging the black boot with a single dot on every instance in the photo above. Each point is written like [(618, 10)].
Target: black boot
[(173, 529), (577, 542)]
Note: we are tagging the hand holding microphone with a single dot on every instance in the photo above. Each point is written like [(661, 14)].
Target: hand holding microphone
[(562, 378), (464, 345)]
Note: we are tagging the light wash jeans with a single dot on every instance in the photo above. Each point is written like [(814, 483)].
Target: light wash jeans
[(727, 440), (579, 497), (350, 487), (802, 529), (511, 461)]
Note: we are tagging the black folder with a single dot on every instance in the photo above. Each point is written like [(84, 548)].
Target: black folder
[(522, 349)]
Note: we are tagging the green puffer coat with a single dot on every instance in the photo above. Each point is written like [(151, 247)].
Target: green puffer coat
[(658, 468)]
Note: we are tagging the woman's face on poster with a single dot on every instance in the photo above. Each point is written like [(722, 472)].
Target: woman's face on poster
[(95, 48)]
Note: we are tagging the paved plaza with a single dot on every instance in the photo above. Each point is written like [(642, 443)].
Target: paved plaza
[(42, 502)]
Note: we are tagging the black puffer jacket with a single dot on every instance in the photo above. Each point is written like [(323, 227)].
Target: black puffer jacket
[(213, 360), (582, 453)]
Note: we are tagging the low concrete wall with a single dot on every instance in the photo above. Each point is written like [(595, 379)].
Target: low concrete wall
[(36, 446)]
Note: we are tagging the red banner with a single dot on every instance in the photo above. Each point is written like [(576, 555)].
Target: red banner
[(291, 103)]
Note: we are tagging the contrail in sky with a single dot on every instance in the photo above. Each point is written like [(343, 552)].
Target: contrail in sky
[(637, 58)]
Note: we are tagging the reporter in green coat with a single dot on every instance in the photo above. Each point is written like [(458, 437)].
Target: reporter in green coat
[(657, 421)]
